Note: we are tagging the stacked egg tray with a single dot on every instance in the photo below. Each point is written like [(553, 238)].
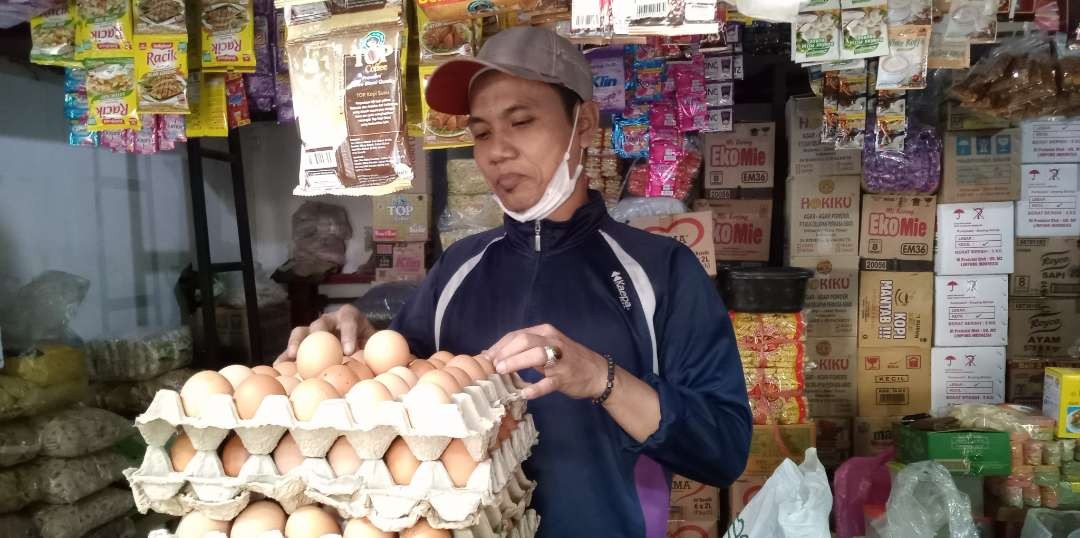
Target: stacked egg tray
[(473, 416)]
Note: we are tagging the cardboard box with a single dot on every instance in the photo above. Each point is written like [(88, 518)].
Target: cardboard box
[(769, 445), (963, 451), (694, 230), (1046, 266), (975, 239), (962, 375), (832, 296), (399, 262), (1024, 378), (679, 528), (1050, 201), (694, 500), (1051, 141), (830, 386), (1061, 400), (895, 309), (872, 435), (893, 381), (823, 215), (971, 310), (742, 158), (897, 233), (961, 118), (742, 490), (1043, 327), (401, 218), (833, 440), (741, 229), (981, 166), (808, 156)]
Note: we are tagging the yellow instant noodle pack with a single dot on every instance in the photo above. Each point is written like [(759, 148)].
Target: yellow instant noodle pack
[(103, 29), (161, 73), (110, 92), (53, 36), (227, 33), (770, 340), (776, 395)]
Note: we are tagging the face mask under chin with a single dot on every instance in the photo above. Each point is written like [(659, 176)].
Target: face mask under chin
[(559, 189)]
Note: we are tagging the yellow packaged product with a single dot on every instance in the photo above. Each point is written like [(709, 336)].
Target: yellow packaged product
[(161, 73), (770, 340), (103, 29), (53, 36), (441, 130), (48, 364), (776, 395), (206, 98), (160, 17), (228, 35), (110, 91)]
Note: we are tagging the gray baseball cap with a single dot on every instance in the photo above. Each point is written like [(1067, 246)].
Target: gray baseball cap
[(527, 52)]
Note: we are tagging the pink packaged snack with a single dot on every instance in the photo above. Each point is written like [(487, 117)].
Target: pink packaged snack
[(283, 98), (146, 138), (663, 123), (170, 131), (119, 141), (663, 166)]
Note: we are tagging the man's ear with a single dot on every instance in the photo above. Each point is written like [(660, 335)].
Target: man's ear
[(588, 122)]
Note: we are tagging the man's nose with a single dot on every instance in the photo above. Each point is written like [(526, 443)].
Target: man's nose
[(502, 149)]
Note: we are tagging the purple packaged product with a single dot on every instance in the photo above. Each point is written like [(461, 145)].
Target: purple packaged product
[(281, 60), (121, 141), (171, 129), (261, 91), (262, 7), (283, 98), (264, 59), (609, 78), (916, 170)]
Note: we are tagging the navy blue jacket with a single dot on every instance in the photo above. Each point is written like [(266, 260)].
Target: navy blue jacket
[(640, 298)]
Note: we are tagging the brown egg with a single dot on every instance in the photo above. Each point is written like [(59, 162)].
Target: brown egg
[(463, 378), (423, 529), (196, 525), (362, 528), (288, 383), (443, 379), (360, 368), (393, 383), (310, 521), (307, 396), (317, 352), (366, 394), (506, 428), (485, 363), (421, 367), (385, 350), (427, 394), (340, 377), (235, 373), (287, 455), (469, 365), (343, 458), (459, 464), (401, 462), (287, 368), (250, 394), (257, 518), (405, 374), (263, 369), (233, 455), (443, 357), (181, 452), (198, 387)]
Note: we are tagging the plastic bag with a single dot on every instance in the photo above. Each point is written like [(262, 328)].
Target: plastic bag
[(859, 481), (19, 443), (479, 211), (139, 357), (122, 527), (19, 398), (17, 526), (382, 302), (130, 399), (47, 365), (74, 432), (464, 177), (66, 480), (72, 521), (924, 500), (41, 310), (794, 502), (633, 208), (1043, 523), (320, 232)]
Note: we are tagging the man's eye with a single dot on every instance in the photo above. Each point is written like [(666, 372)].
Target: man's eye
[(482, 135), (521, 123)]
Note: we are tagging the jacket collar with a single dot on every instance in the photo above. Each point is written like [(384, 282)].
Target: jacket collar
[(558, 236)]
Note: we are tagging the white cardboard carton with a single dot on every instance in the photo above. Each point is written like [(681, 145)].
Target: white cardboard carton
[(974, 239), (1051, 141), (966, 375), (1049, 202), (971, 310)]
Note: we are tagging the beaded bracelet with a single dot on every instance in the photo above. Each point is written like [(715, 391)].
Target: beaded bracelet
[(610, 382)]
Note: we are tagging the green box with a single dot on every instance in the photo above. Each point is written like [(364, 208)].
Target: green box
[(961, 451)]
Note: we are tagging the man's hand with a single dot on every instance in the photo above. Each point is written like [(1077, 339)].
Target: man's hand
[(580, 373), (346, 322)]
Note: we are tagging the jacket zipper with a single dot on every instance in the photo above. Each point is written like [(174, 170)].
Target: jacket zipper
[(536, 243)]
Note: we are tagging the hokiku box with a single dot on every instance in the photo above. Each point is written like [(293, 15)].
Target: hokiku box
[(971, 310), (962, 375), (831, 307), (1050, 200), (893, 381), (895, 309), (981, 166), (741, 229), (695, 230), (742, 158), (1046, 267), (1043, 327), (830, 384), (823, 215), (808, 156), (975, 239), (897, 232)]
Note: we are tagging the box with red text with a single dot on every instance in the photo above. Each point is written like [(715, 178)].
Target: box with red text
[(897, 233), (741, 159), (975, 239)]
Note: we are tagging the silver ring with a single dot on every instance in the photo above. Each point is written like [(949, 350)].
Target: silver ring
[(553, 355)]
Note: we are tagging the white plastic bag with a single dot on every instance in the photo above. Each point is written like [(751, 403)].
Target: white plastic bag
[(1044, 523), (924, 500), (794, 503)]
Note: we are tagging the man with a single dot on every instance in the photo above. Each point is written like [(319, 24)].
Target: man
[(630, 354)]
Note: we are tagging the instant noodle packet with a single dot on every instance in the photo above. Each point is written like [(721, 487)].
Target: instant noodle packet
[(227, 33), (53, 36), (110, 91), (103, 29), (161, 73)]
